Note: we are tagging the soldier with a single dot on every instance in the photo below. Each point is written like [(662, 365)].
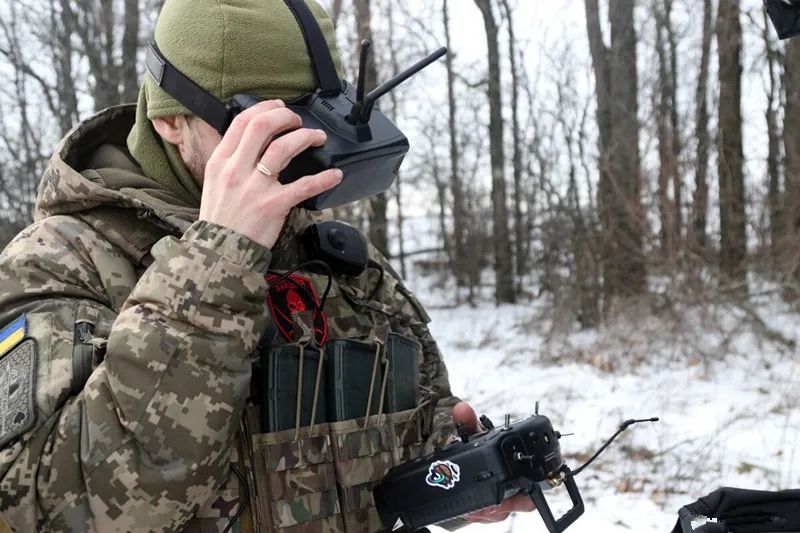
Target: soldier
[(135, 303)]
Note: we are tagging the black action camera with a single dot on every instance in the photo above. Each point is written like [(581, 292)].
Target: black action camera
[(362, 142), (338, 245), (478, 472)]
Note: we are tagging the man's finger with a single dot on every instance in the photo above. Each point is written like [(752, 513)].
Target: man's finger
[(498, 513), (487, 516), (518, 504), (233, 136), (463, 413), (281, 151), (310, 186), (261, 130)]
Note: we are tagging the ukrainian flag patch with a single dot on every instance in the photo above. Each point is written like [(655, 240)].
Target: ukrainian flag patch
[(12, 334)]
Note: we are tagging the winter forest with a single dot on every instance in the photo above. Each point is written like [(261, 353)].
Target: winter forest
[(600, 210)]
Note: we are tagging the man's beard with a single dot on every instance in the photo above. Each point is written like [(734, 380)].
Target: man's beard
[(196, 163)]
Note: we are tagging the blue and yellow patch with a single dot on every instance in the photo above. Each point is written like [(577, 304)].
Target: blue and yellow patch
[(12, 334)]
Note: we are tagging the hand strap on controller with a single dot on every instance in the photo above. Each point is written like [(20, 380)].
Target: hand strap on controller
[(566, 520)]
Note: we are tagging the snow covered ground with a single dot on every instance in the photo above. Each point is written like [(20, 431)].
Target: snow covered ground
[(724, 380)]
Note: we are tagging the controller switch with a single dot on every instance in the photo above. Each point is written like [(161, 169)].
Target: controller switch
[(483, 476)]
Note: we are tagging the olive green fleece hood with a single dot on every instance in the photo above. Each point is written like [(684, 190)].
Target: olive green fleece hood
[(228, 47)]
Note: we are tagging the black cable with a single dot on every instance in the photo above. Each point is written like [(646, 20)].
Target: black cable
[(244, 500), (328, 272), (622, 427)]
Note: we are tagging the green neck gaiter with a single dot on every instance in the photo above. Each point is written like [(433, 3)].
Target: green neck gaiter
[(160, 161)]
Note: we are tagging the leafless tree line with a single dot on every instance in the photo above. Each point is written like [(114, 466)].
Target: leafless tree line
[(60, 60), (539, 188)]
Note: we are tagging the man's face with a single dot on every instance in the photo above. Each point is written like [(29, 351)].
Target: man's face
[(199, 142)]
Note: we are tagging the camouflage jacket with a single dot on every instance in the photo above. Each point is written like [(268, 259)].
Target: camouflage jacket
[(126, 364)]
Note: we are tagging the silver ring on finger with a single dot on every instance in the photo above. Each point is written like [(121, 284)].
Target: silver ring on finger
[(265, 170)]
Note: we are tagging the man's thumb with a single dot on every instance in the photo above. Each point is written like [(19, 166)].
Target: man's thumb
[(463, 413)]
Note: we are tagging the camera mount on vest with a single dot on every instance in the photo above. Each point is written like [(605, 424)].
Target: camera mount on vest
[(365, 144)]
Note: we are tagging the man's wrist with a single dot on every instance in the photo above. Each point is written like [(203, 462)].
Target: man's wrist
[(234, 246)]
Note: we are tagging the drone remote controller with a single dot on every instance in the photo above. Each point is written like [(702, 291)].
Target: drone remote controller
[(480, 471)]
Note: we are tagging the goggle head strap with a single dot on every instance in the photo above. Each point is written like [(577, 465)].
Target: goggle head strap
[(218, 114), (196, 99)]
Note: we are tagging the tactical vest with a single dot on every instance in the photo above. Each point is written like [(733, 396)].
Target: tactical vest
[(319, 477)]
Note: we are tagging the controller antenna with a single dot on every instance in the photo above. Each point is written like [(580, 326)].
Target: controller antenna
[(361, 92), (362, 109), (622, 427)]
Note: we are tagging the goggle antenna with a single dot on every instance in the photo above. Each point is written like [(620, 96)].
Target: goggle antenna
[(362, 110)]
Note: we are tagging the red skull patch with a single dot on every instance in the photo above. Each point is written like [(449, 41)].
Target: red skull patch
[(292, 295)]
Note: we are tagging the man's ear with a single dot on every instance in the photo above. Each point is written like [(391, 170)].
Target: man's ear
[(170, 128)]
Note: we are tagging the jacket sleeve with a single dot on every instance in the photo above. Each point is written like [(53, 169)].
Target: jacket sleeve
[(142, 443), (433, 371), (435, 376)]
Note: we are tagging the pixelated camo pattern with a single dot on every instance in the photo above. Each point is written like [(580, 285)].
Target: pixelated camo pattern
[(136, 422)]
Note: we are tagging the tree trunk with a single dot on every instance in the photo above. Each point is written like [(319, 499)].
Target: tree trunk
[(504, 269), (519, 222), (378, 224), (677, 175), (457, 190), (130, 47), (619, 190), (63, 25), (627, 274), (602, 86), (774, 201), (666, 155), (791, 137), (733, 244), (697, 231), (336, 12), (395, 64)]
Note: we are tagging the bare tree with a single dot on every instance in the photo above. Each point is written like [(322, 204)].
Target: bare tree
[(616, 87), (130, 48), (519, 222), (774, 191), (459, 204), (23, 139), (733, 244), (677, 144), (398, 196), (504, 269), (336, 11), (791, 138), (378, 224), (697, 230), (668, 172), (95, 29)]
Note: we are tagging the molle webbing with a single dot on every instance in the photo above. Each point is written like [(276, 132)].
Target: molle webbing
[(322, 480)]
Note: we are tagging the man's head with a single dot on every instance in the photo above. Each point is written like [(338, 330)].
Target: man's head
[(229, 47)]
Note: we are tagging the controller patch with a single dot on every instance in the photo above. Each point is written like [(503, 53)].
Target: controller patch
[(443, 474)]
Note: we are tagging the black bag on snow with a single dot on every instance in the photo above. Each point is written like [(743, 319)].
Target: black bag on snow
[(743, 511)]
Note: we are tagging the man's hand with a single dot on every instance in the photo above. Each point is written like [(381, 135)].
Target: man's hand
[(237, 196), (464, 414)]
